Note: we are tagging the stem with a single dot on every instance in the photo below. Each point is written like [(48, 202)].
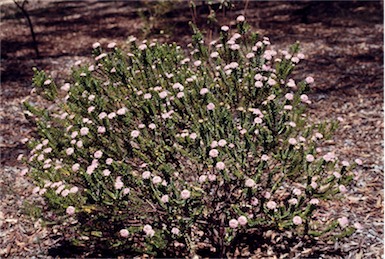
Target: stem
[(25, 13)]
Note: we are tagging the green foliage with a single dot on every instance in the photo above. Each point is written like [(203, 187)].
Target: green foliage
[(154, 152)]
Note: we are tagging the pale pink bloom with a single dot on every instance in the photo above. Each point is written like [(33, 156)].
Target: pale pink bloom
[(203, 91), (46, 166), (156, 179), (90, 169), (213, 153), (342, 188), (69, 151), (212, 177), (329, 157), (271, 97), (258, 77), (202, 178), (36, 189), (135, 133), (292, 141), (358, 161), (121, 111), (250, 55), (309, 80), (91, 97), (309, 158), (65, 193), (111, 115), (185, 194), (147, 96), (241, 18), (126, 191), (293, 201), (24, 171), (197, 63), (300, 55), (74, 189), (305, 98), (222, 143), (193, 136), (111, 45), (98, 154), (265, 157), (142, 47), (291, 83), (220, 166), (146, 174), (96, 45), (175, 231), (163, 94), (47, 150), (243, 131), (75, 167), (288, 107), (102, 115), (147, 229), (314, 201), (70, 210), (214, 144), (337, 175), (101, 129), (73, 142), (297, 191), (84, 131), (258, 84), (106, 172), (297, 220), (345, 163), (271, 205), (180, 95), (73, 135), (118, 183), (47, 82), (100, 56), (289, 96), (225, 28), (165, 198), (109, 161), (250, 183), (292, 124), (254, 201), (123, 233), (343, 222), (41, 156), (295, 59), (267, 195), (210, 106), (66, 87), (271, 81), (358, 226), (214, 54), (242, 220), (302, 139), (233, 223), (314, 185), (235, 47), (178, 86), (318, 135)]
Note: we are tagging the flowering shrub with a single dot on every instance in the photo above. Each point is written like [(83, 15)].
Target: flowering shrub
[(154, 152)]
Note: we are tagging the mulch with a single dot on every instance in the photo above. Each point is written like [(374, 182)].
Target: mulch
[(343, 45)]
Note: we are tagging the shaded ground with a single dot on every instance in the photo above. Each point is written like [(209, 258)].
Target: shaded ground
[(343, 44)]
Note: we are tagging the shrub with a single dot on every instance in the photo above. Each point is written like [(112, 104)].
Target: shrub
[(151, 151)]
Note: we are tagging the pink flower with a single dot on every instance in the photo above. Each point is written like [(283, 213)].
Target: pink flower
[(337, 175), (47, 82), (203, 91), (202, 178), (250, 55), (241, 18), (291, 83), (314, 201), (121, 111), (289, 96), (250, 183), (345, 163), (98, 154), (79, 144), (297, 191), (135, 133), (147, 96), (309, 80), (329, 157), (148, 230), (314, 185), (342, 188), (213, 153), (96, 45), (264, 157), (180, 95), (233, 223), (123, 232), (185, 194), (193, 136), (242, 220), (225, 28), (358, 161), (222, 143), (271, 205), (101, 129), (111, 45), (304, 98), (65, 193), (66, 87), (214, 144), (70, 210), (111, 115), (84, 131), (358, 226), (106, 172), (118, 183), (152, 126), (102, 115), (75, 167), (214, 55), (156, 180), (254, 201), (271, 81), (175, 231), (343, 222), (197, 63), (126, 191), (109, 161), (69, 151), (210, 106), (293, 201), (163, 94), (165, 198), (220, 165), (146, 174), (297, 220), (292, 141), (309, 158), (74, 189), (212, 177)]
